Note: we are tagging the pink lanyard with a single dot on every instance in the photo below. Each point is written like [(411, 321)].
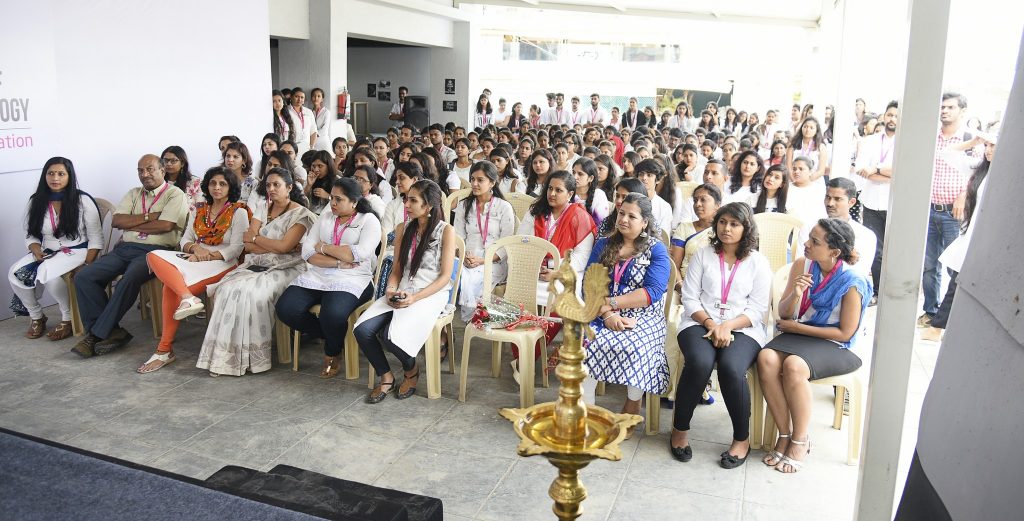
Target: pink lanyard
[(302, 117), (487, 223), (619, 271), (549, 226), (483, 117), (805, 301), (336, 238), (412, 250), (53, 219), (726, 286), (885, 151), (155, 198)]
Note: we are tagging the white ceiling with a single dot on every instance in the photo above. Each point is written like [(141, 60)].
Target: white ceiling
[(796, 13)]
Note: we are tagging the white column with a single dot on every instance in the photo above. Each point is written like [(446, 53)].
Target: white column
[(902, 259), (848, 82)]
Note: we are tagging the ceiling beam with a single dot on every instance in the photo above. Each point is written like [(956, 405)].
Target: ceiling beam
[(618, 10)]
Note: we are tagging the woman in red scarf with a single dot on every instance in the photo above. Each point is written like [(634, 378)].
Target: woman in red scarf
[(565, 224), (210, 248)]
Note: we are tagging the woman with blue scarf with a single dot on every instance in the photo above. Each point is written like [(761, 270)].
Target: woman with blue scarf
[(62, 232), (821, 313)]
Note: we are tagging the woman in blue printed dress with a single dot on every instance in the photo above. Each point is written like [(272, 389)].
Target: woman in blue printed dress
[(629, 333)]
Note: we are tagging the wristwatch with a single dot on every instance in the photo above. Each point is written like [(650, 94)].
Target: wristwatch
[(145, 217), (613, 304), (878, 171)]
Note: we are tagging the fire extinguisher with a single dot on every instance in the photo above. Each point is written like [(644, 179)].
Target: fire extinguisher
[(343, 103)]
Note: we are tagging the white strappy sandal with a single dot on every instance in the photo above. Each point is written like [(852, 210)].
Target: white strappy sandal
[(775, 455), (796, 465), (163, 358)]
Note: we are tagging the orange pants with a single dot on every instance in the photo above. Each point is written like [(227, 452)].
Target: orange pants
[(174, 290)]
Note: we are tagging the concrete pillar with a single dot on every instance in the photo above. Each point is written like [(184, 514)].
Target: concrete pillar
[(902, 260), (455, 62)]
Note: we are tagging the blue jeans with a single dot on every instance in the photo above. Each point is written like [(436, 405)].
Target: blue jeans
[(942, 229)]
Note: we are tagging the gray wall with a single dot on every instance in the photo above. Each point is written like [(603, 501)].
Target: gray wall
[(408, 66)]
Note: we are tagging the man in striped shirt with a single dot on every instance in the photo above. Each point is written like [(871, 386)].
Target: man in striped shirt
[(949, 184)]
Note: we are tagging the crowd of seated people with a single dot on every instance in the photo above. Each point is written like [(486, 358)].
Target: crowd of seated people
[(306, 223)]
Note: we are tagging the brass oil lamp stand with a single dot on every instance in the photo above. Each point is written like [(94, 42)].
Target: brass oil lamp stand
[(569, 433)]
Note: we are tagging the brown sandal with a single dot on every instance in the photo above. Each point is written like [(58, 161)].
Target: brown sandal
[(37, 328), (332, 367), (60, 332)]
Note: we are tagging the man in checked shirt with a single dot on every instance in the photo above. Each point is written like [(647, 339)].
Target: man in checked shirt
[(949, 183)]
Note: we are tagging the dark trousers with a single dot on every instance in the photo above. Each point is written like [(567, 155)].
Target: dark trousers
[(335, 309), (942, 315), (874, 220), (699, 359), (372, 337), (943, 228), (101, 315)]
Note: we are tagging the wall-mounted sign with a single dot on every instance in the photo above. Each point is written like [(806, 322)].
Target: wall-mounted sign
[(384, 95), (449, 86), (450, 106), (371, 90)]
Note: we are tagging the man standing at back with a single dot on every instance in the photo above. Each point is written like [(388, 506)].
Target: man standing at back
[(949, 185), (547, 116), (874, 164), (595, 114), (398, 109), (151, 217)]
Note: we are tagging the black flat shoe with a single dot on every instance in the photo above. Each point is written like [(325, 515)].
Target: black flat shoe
[(410, 391), (730, 461), (683, 454), (377, 398)]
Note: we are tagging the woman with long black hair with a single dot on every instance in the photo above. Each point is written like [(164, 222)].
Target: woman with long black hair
[(745, 177), (283, 125), (176, 172), (62, 232), (953, 256), (415, 294), (340, 254)]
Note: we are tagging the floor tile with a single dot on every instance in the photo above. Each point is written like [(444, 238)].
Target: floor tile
[(460, 479), (405, 419), (757, 512), (253, 435), (654, 466), (473, 428), (321, 400), (345, 452), (525, 492), (168, 426), (129, 449), (641, 502)]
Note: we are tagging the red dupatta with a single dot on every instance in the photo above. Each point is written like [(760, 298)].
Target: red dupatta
[(573, 226)]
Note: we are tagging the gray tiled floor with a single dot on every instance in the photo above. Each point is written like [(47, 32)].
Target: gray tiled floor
[(181, 420)]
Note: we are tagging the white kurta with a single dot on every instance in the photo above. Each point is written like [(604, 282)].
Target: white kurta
[(499, 219), (577, 259), (411, 326), (362, 236), (90, 231)]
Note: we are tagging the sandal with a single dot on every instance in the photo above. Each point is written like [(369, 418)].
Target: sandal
[(377, 395), (60, 332), (401, 395), (37, 328), (188, 307), (731, 461), (158, 361), (794, 464), (332, 366), (774, 456)]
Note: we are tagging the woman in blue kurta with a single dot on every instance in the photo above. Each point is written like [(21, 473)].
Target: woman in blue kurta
[(629, 333)]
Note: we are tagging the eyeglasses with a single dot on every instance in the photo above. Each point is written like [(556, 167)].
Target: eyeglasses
[(170, 160)]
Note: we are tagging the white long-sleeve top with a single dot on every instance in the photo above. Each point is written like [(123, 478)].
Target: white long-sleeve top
[(362, 236), (90, 229), (749, 294)]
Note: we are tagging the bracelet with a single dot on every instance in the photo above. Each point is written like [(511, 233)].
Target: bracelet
[(705, 320)]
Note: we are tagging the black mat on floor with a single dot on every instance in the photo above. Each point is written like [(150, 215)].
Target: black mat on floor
[(45, 480), (325, 496)]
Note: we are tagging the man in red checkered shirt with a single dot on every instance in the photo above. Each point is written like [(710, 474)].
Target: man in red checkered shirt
[(949, 184)]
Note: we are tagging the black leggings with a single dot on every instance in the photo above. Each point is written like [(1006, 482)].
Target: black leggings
[(942, 315), (335, 307), (372, 337), (699, 358)]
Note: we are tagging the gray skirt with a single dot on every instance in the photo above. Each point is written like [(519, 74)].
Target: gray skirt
[(824, 357)]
